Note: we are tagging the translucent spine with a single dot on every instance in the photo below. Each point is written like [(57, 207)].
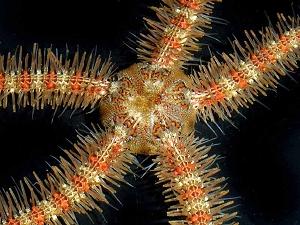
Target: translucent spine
[(222, 87), (186, 171), (100, 161), (172, 40), (46, 80)]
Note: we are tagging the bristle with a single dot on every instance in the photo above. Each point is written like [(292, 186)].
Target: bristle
[(172, 40), (43, 79), (70, 187), (187, 174), (221, 87)]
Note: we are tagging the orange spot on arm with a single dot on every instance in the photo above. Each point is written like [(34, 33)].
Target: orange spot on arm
[(94, 161), (200, 217), (218, 94), (25, 81), (50, 81), (171, 41), (192, 4), (61, 201), (181, 22), (184, 168), (192, 192), (2, 81), (12, 221), (37, 215), (238, 77), (81, 183), (76, 82)]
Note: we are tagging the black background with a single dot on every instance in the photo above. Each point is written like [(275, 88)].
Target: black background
[(261, 157)]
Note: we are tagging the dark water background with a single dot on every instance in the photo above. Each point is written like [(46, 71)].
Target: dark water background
[(261, 157)]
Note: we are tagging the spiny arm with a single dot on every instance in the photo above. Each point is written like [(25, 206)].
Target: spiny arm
[(99, 161), (223, 86), (45, 79), (173, 39), (185, 169)]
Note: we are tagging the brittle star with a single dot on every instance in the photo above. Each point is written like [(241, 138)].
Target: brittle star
[(59, 197)]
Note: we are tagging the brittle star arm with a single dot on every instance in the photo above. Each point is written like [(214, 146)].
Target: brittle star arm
[(223, 86), (172, 40), (186, 171), (98, 162), (45, 79)]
